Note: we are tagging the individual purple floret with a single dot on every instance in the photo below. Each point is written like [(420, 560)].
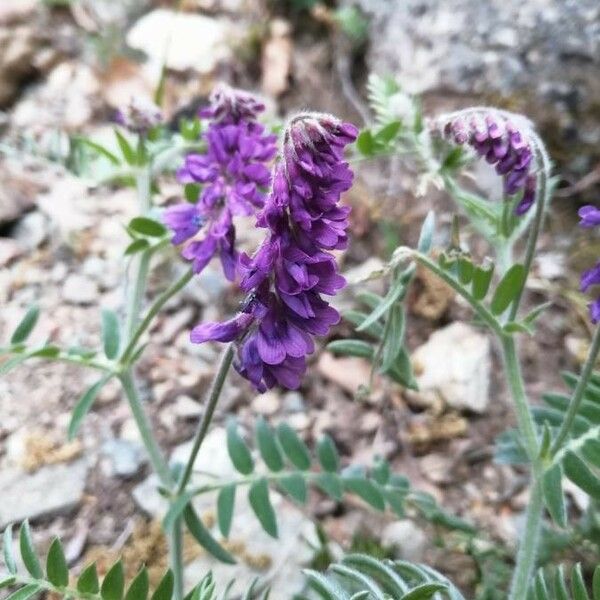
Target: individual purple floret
[(590, 217), (139, 116), (502, 144), (234, 178), (293, 268)]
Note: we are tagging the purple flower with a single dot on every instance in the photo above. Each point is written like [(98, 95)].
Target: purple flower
[(293, 267), (139, 116), (233, 175), (589, 215), (502, 144)]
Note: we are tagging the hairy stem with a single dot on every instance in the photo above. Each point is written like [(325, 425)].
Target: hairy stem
[(517, 389), (209, 410), (176, 557), (578, 393), (153, 311), (527, 554), (536, 227), (159, 464)]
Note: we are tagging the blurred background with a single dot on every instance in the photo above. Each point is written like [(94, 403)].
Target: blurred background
[(66, 66)]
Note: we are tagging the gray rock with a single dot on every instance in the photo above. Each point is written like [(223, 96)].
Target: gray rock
[(32, 230), (79, 289), (409, 540), (542, 57), (53, 489), (194, 42), (123, 458), (293, 402), (454, 366)]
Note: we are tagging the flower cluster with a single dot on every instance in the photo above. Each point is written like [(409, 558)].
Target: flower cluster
[(286, 277), (590, 217), (139, 116), (234, 177), (502, 144)]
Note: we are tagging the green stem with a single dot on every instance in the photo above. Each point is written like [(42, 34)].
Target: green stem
[(152, 312), (159, 464), (527, 554), (519, 396), (211, 404), (176, 557), (136, 298), (536, 227), (578, 393)]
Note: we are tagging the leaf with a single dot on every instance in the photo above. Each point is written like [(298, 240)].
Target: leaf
[(110, 333), (146, 226), (87, 583), (426, 235), (114, 583), (25, 592), (402, 371), (579, 473), (56, 565), (351, 347), (553, 495), (9, 556), (366, 490), (99, 149), (596, 583), (424, 591), (330, 484), (30, 560), (295, 486), (466, 268), (365, 143), (328, 454), (258, 496), (388, 132), (25, 327), (225, 504), (532, 316), (508, 288), (129, 154), (164, 590), (7, 581), (295, 449), (191, 191), (46, 352), (267, 446), (394, 339), (381, 471), (238, 451), (136, 246), (204, 538), (356, 317), (394, 294), (482, 277), (84, 404), (138, 590), (578, 584)]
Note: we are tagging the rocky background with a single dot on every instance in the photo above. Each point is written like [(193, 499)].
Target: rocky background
[(65, 66)]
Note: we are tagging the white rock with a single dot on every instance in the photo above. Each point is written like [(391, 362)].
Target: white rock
[(193, 42), (123, 458), (53, 489), (454, 365), (267, 403), (79, 289), (32, 230)]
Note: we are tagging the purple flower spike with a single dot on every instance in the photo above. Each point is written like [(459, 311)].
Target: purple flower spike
[(594, 308), (502, 144), (590, 277), (590, 216), (234, 178), (293, 267), (139, 116)]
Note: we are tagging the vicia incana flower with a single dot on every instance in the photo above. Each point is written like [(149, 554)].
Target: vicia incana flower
[(287, 276), (503, 144), (234, 177), (139, 116), (590, 217)]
